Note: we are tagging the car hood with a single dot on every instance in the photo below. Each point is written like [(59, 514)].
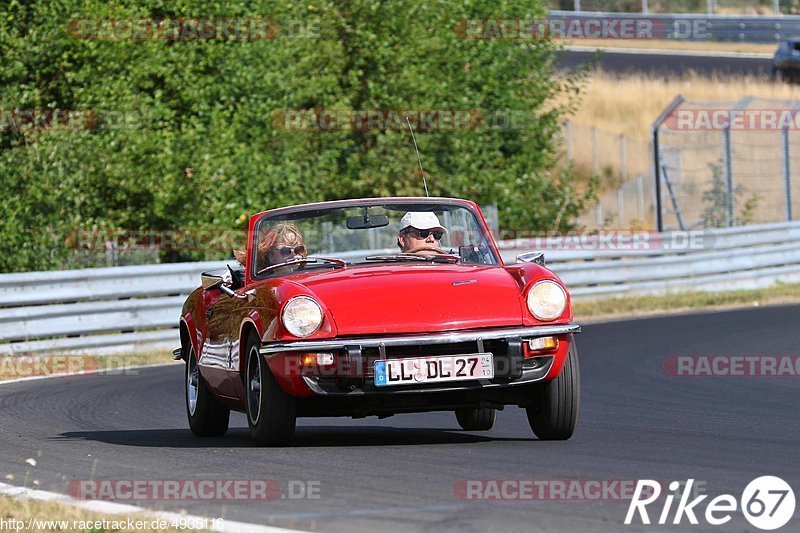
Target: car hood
[(411, 298)]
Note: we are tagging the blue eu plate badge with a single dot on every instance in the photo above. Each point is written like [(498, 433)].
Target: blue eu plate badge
[(380, 373)]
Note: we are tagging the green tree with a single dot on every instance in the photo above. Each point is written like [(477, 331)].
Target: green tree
[(183, 133)]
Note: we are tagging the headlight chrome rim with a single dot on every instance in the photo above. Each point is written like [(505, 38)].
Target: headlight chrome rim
[(538, 312), (298, 329)]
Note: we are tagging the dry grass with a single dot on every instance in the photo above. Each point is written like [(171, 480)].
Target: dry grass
[(21, 509), (661, 44), (630, 104)]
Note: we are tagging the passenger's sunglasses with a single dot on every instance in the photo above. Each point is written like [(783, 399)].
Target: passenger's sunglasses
[(423, 233), (288, 251)]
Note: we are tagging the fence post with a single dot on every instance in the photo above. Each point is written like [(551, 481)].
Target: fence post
[(787, 173), (577, 5), (657, 158), (595, 155), (726, 135), (776, 7), (644, 7), (640, 195), (568, 125), (710, 6), (623, 157), (620, 207)]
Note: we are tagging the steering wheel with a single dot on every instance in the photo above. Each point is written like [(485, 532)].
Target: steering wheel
[(426, 248)]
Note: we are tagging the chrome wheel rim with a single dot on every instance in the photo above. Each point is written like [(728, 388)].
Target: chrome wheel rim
[(192, 377), (253, 386)]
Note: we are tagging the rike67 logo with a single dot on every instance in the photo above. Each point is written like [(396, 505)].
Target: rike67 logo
[(767, 502)]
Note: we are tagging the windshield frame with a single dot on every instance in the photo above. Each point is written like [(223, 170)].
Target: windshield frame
[(412, 202)]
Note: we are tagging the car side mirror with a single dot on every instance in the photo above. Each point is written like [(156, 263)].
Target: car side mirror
[(221, 279), (211, 281), (531, 257)]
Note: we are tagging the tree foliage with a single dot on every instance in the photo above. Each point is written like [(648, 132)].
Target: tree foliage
[(182, 132)]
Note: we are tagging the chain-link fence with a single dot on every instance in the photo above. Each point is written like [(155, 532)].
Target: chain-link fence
[(725, 164), (623, 167)]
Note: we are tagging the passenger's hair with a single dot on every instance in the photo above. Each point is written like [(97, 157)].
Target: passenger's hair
[(284, 232)]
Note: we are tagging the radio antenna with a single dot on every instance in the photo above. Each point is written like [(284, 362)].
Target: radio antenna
[(424, 181)]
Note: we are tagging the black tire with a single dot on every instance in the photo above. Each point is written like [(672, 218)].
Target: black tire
[(554, 415), (271, 413), (476, 419), (207, 417)]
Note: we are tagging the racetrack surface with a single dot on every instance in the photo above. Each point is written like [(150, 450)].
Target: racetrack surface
[(667, 65), (636, 422)]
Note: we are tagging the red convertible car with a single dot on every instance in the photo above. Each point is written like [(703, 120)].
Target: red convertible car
[(373, 307)]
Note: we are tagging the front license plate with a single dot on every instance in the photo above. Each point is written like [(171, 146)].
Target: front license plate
[(390, 372)]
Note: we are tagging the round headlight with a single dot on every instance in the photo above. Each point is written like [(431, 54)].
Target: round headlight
[(301, 316), (547, 300)]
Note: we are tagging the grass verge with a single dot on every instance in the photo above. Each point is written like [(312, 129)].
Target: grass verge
[(40, 365), (642, 306), (22, 514)]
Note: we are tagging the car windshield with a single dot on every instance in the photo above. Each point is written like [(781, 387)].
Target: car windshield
[(435, 232)]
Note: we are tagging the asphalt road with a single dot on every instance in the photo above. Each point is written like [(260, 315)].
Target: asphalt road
[(636, 422), (669, 66)]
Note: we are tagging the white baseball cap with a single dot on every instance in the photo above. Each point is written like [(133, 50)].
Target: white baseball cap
[(421, 220)]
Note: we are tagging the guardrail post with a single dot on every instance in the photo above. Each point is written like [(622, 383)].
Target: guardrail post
[(787, 173), (726, 135)]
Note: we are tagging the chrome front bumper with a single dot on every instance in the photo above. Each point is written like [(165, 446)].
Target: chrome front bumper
[(410, 340)]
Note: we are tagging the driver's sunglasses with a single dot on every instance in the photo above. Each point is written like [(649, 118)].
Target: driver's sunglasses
[(288, 251), (423, 233)]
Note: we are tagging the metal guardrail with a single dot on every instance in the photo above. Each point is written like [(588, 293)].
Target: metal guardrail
[(699, 27), (136, 308), (743, 257)]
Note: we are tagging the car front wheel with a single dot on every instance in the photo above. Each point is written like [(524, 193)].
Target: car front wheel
[(271, 412), (207, 418), (476, 419), (554, 415)]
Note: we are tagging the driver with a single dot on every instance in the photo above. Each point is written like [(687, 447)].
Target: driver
[(419, 230)]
